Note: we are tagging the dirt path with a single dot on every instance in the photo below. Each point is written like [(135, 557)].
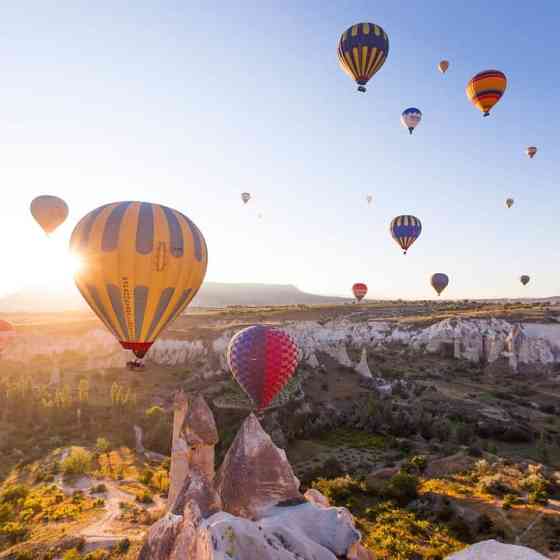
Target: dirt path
[(101, 528)]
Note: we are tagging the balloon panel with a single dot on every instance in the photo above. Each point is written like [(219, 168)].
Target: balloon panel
[(142, 264)]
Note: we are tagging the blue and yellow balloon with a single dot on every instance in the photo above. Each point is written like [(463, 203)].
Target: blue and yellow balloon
[(362, 51), (405, 230)]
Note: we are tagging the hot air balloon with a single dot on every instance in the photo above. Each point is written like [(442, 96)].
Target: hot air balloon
[(359, 290), (531, 151), (509, 202), (245, 197), (524, 279), (443, 66), (369, 198), (485, 89), (405, 230), (439, 282), (262, 360), (7, 334), (49, 212), (410, 118), (362, 50), (142, 264)]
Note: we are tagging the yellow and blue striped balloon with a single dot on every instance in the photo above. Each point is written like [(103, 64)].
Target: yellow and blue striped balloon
[(141, 265), (405, 230), (362, 51)]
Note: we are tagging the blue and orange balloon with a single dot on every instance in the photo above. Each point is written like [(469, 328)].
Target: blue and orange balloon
[(405, 230), (262, 359), (362, 51), (410, 118)]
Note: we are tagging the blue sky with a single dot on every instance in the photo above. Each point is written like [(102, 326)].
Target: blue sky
[(188, 104)]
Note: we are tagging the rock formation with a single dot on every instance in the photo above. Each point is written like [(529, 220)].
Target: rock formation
[(255, 474), (264, 517), (194, 437), (494, 550), (363, 367)]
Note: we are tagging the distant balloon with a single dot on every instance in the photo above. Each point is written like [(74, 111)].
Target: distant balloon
[(7, 334), (49, 212), (439, 282), (411, 118), (369, 198), (259, 216), (142, 264), (443, 66), (531, 151), (525, 279), (405, 230), (362, 50), (245, 197), (262, 360), (485, 89), (359, 290), (509, 202)]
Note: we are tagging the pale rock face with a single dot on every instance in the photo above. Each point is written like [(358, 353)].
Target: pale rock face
[(494, 550), (255, 474), (316, 498), (363, 367)]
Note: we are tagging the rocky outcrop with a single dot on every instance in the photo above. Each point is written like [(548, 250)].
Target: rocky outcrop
[(194, 437), (363, 367), (266, 517), (255, 474), (494, 550)]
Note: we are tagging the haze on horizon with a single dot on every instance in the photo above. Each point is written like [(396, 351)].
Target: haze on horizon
[(188, 105)]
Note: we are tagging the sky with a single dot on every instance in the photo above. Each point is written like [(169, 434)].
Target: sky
[(190, 103)]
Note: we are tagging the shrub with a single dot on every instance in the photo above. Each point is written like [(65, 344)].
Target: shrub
[(98, 489), (338, 490), (510, 500), (122, 546), (13, 493), (102, 445), (14, 532), (72, 554), (494, 484), (416, 464), (145, 497), (78, 462), (403, 488), (160, 481), (146, 477)]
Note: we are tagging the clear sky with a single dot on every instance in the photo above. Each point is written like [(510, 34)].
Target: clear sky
[(190, 103)]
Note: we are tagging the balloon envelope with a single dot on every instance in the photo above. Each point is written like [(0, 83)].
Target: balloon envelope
[(359, 290), (525, 279), (369, 198), (509, 202), (7, 334), (262, 359), (531, 151), (49, 212), (443, 66), (405, 230), (439, 282), (485, 89), (410, 118), (362, 51), (245, 197), (141, 265)]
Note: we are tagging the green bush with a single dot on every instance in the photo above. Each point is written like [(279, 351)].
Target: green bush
[(146, 477), (494, 484), (78, 462), (145, 497), (13, 493), (122, 546), (102, 445), (14, 532), (403, 488), (72, 554), (338, 490)]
